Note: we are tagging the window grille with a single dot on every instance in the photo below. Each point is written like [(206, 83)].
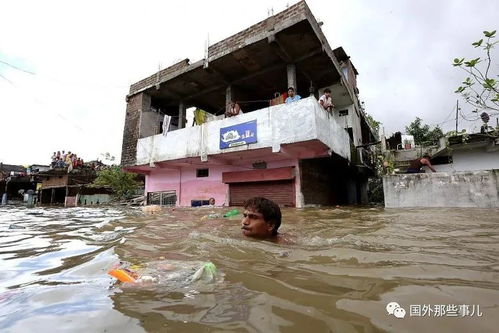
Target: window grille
[(166, 198)]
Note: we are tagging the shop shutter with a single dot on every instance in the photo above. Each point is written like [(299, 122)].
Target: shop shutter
[(281, 192)]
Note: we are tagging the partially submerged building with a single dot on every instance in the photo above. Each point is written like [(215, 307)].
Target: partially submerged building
[(58, 187), (467, 176), (295, 154), (14, 182)]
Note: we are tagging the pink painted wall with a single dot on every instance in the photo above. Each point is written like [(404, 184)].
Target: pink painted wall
[(189, 187)]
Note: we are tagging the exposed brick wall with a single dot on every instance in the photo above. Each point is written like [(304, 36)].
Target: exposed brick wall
[(56, 180), (352, 78), (153, 79), (316, 182), (134, 107), (323, 181), (293, 13), (238, 40)]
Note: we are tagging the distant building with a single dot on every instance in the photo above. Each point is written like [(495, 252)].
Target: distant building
[(467, 176), (473, 152), (295, 154), (14, 181), (58, 187)]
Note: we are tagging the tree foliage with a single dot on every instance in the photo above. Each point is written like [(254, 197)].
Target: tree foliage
[(373, 123), (122, 183), (423, 134), (480, 89)]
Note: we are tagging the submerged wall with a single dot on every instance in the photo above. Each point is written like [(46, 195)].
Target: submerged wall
[(442, 189)]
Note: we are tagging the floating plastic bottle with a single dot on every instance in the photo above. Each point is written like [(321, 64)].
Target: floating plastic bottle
[(122, 275), (207, 273), (231, 213)]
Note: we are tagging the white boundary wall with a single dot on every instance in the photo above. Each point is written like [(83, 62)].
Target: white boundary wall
[(442, 189)]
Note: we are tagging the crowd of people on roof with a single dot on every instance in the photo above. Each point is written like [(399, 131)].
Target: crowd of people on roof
[(66, 160), (71, 161)]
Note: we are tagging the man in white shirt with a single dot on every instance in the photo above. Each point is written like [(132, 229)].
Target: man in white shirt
[(326, 101)]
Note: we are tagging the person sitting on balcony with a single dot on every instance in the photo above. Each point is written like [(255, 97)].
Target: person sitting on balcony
[(261, 218), (233, 109), (418, 163), (326, 101), (292, 97)]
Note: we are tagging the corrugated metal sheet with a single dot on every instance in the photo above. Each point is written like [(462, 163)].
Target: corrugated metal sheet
[(281, 192)]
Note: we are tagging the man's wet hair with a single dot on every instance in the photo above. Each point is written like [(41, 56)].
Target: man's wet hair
[(291, 88), (427, 156), (327, 90), (269, 209)]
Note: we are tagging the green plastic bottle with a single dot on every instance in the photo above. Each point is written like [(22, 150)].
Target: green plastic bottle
[(231, 213)]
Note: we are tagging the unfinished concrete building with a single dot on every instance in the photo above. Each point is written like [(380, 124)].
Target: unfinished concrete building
[(295, 154)]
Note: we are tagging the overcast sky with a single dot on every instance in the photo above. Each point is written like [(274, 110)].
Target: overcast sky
[(78, 60)]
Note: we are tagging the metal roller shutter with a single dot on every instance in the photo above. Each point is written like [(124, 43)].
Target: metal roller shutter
[(281, 192)]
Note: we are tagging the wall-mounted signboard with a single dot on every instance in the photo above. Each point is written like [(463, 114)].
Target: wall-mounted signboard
[(238, 135)]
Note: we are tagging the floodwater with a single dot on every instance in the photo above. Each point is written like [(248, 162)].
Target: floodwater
[(337, 272)]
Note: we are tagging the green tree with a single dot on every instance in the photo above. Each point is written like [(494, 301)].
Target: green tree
[(122, 183), (480, 89), (423, 134), (372, 122)]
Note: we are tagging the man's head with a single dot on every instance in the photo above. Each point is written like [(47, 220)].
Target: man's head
[(327, 92), (291, 92), (261, 218), (427, 156)]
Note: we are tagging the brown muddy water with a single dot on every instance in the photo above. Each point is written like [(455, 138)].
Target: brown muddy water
[(337, 272)]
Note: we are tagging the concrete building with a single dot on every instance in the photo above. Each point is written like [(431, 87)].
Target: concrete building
[(14, 181), (467, 176), (58, 187), (295, 154)]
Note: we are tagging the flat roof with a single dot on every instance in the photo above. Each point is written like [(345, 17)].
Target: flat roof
[(253, 61)]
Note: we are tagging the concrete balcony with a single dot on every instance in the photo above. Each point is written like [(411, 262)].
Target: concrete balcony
[(277, 127)]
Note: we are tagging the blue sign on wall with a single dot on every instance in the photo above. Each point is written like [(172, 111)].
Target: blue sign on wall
[(238, 135)]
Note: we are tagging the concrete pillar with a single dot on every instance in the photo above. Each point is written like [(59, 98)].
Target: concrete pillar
[(52, 196), (292, 77), (181, 115), (351, 191), (229, 95), (363, 188), (4, 196)]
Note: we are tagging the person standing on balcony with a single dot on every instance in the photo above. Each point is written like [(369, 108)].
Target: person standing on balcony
[(292, 97), (233, 109), (326, 101), (418, 163)]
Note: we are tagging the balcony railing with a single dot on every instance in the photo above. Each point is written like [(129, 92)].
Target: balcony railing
[(300, 121)]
